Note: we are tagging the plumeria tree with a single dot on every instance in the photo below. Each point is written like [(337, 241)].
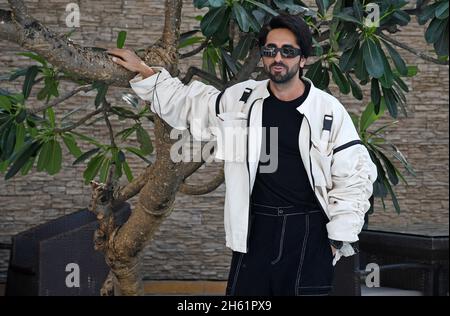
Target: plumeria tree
[(353, 47)]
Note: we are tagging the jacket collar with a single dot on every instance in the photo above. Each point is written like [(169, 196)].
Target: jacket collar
[(305, 108)]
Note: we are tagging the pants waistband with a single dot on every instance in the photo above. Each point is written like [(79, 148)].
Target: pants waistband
[(284, 210)]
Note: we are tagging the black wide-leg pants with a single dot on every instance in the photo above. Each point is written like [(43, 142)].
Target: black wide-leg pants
[(289, 254)]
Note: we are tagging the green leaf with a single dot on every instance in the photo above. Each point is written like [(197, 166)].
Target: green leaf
[(348, 58), (18, 73), (102, 89), (144, 140), (241, 17), (86, 155), (212, 20), (412, 71), (356, 89), (71, 144), (441, 11), (221, 36), (20, 136), (29, 80), (348, 39), (123, 112), (339, 79), (88, 139), (118, 157), (127, 170), (191, 41), (375, 94), (21, 116), (358, 10), (103, 175), (55, 159), (400, 99), (9, 142), (434, 30), (347, 18), (318, 75), (22, 157), (391, 103), (201, 3), (317, 48), (242, 48), (216, 3), (368, 117), (387, 79), (373, 58), (391, 170), (400, 157), (27, 166), (323, 6), (360, 67), (441, 45), (44, 157), (393, 196), (426, 14), (138, 153), (121, 39), (398, 60), (5, 103), (401, 18), (401, 83), (43, 93), (33, 56), (126, 132), (92, 168), (231, 64), (263, 6), (51, 117)]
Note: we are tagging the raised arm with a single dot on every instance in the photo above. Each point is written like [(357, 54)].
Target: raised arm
[(182, 106)]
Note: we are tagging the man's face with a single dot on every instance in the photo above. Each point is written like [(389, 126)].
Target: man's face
[(281, 69)]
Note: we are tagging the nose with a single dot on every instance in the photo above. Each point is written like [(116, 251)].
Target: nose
[(278, 57)]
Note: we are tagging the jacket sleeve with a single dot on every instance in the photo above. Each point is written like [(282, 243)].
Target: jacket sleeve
[(181, 106), (353, 174)]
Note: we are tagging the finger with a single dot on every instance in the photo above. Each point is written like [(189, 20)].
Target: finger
[(118, 61), (116, 51)]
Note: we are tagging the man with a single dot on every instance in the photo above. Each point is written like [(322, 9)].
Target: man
[(284, 224)]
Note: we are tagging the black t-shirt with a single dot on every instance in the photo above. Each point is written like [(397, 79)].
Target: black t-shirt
[(287, 184)]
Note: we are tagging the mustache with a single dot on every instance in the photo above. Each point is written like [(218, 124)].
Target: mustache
[(278, 64)]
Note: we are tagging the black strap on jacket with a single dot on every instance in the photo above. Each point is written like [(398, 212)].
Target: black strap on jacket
[(244, 97), (327, 122)]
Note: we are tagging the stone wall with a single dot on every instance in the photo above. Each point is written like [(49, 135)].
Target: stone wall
[(190, 243)]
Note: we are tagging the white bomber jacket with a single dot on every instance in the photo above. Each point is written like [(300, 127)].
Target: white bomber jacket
[(339, 167)]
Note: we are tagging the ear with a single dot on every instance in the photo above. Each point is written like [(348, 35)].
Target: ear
[(302, 62)]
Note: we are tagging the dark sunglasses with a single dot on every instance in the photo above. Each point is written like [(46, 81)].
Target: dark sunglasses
[(286, 51)]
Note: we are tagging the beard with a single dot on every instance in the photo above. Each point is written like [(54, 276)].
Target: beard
[(278, 77)]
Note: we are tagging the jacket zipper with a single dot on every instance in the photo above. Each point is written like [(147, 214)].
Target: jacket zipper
[(311, 171), (249, 177)]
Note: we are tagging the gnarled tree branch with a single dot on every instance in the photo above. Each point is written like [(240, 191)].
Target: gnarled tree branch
[(134, 187), (80, 122), (195, 51), (62, 98), (90, 64), (192, 189), (19, 10), (413, 51), (194, 71)]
